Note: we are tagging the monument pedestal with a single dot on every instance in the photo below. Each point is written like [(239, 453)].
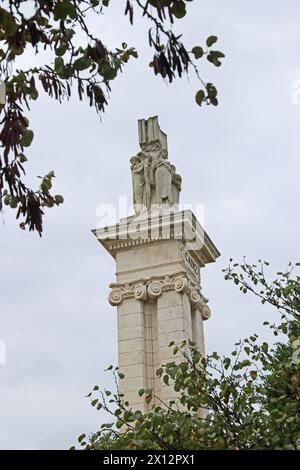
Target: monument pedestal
[(157, 293)]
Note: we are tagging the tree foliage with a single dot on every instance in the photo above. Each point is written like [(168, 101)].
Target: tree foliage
[(76, 61), (247, 400)]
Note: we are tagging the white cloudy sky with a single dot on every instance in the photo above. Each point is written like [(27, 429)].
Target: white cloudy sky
[(241, 160)]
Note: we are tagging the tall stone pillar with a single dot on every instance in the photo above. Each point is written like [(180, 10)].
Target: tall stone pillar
[(159, 255)]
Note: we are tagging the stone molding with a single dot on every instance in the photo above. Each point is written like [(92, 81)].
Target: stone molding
[(151, 289), (182, 226)]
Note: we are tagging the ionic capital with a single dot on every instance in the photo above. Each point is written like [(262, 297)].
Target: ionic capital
[(152, 288)]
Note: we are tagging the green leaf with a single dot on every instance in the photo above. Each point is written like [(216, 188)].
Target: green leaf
[(59, 65), (81, 437), (214, 57), (13, 203), (63, 9), (226, 362), (82, 63), (198, 52), (219, 55), (166, 379), (58, 199), (108, 72), (179, 9), (211, 40), (27, 138), (33, 93), (200, 96), (22, 158), (61, 50), (6, 200)]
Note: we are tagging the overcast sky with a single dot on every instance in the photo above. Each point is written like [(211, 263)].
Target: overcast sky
[(241, 160)]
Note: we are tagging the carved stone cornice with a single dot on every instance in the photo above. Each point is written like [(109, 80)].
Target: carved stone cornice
[(154, 287), (183, 226)]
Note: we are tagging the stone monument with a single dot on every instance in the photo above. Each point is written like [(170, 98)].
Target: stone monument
[(159, 253)]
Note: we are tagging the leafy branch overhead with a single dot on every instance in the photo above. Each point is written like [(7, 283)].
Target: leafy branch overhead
[(80, 63)]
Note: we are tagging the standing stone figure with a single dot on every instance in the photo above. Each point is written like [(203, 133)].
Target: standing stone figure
[(149, 183), (163, 180), (142, 182), (138, 183)]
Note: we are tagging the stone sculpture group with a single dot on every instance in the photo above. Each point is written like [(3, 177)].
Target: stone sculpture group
[(155, 183)]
